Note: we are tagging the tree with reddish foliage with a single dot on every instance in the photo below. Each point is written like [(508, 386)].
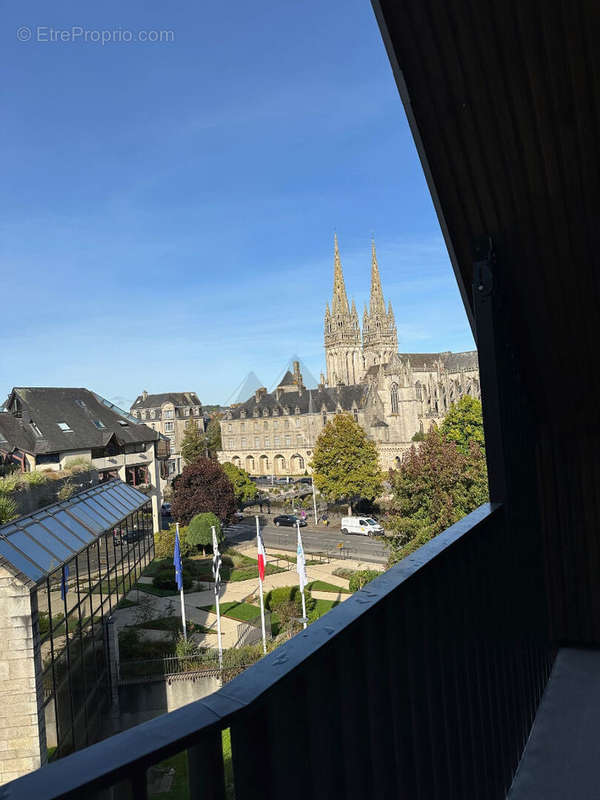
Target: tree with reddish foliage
[(203, 487), (436, 484)]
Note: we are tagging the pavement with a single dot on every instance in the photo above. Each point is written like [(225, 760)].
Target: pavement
[(152, 607), (315, 538)]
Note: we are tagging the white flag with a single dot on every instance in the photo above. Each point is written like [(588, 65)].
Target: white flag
[(216, 563), (301, 563)]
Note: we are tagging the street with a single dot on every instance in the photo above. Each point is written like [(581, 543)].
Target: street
[(315, 539)]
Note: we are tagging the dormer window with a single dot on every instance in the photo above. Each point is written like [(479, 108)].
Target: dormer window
[(36, 431), (296, 410), (255, 413), (275, 412), (265, 413)]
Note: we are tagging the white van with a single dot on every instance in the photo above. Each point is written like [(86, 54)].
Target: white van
[(366, 526)]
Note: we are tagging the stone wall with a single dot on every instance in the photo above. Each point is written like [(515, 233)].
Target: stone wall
[(139, 702), (22, 728)]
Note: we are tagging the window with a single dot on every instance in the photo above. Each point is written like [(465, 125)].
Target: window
[(297, 422), (286, 425), (324, 418), (169, 427), (288, 441), (276, 441), (242, 426), (168, 414), (229, 427), (299, 438), (355, 412), (230, 444), (186, 412), (64, 426), (123, 423), (256, 441), (267, 441), (275, 425), (243, 441), (36, 431), (266, 425), (394, 398), (80, 403)]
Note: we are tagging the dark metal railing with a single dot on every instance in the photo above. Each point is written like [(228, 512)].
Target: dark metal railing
[(424, 684)]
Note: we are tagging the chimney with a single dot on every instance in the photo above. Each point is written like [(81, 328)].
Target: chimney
[(259, 393), (144, 395)]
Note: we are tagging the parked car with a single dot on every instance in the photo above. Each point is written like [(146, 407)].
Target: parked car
[(366, 526), (289, 520)]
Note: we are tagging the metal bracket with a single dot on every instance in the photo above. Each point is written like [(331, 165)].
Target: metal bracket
[(483, 274)]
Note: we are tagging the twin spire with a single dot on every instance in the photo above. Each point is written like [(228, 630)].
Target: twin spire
[(339, 303)]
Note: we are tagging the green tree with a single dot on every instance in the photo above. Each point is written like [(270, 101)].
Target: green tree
[(193, 444), (435, 486), (199, 531), (213, 436), (345, 462), (243, 488), (463, 423)]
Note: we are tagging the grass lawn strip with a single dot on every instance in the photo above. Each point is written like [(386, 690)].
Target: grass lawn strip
[(242, 612), (323, 586), (172, 624), (323, 606)]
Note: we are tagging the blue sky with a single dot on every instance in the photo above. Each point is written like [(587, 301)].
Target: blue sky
[(168, 208)]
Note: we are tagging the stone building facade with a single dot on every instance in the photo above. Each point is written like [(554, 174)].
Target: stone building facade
[(169, 414), (392, 395)]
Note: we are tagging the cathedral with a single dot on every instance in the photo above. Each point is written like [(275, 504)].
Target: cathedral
[(393, 396)]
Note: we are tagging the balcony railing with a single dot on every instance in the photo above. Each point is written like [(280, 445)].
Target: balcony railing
[(424, 684)]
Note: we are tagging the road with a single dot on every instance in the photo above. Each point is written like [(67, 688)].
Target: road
[(314, 539)]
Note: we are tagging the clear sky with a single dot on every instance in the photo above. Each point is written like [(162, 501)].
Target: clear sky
[(168, 208)]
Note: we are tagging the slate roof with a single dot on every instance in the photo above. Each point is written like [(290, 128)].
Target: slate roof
[(287, 380), (78, 408), (453, 362), (307, 401), (424, 362), (156, 400)]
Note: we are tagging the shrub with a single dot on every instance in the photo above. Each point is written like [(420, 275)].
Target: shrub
[(165, 579), (8, 509), (199, 531), (278, 599), (164, 543), (185, 648), (361, 578), (67, 490), (343, 572)]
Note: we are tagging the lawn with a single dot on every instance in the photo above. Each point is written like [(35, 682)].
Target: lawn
[(323, 606), (172, 624), (150, 589), (323, 586), (243, 612), (179, 788)]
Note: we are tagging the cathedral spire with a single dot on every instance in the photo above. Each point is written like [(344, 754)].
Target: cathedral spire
[(340, 300), (377, 304)]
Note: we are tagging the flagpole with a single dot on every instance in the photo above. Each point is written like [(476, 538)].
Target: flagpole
[(301, 581), (181, 592), (220, 641), (260, 589)]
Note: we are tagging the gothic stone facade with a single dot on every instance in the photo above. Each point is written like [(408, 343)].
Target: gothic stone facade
[(392, 395)]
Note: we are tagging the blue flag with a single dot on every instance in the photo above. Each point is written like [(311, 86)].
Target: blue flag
[(64, 586), (177, 561)]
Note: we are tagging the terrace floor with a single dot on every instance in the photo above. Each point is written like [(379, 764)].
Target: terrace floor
[(562, 756)]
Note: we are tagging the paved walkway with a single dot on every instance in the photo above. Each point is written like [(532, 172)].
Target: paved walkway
[(152, 607)]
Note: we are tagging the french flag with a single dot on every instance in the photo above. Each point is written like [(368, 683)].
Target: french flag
[(262, 556)]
